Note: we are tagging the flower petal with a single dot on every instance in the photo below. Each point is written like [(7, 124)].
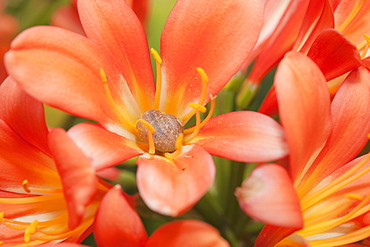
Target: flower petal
[(186, 233), (104, 148), (304, 106), (272, 235), (268, 195), (114, 26), (61, 68), (23, 114), (171, 188), (359, 24), (79, 181), (117, 223), (351, 113), (244, 136), (334, 54), (319, 17), (281, 39), (214, 35), (67, 17)]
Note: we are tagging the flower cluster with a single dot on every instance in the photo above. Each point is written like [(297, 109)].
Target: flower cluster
[(220, 146)]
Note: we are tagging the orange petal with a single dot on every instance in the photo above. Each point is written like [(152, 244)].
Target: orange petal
[(23, 114), (79, 181), (214, 35), (281, 40), (304, 106), (334, 54), (186, 233), (171, 188), (268, 196), (115, 28), (272, 235), (67, 18), (103, 147), (319, 17), (351, 113), (244, 136), (117, 223), (62, 69), (359, 25)]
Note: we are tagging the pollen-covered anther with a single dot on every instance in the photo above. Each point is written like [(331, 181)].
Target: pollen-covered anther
[(31, 229), (167, 129), (25, 186)]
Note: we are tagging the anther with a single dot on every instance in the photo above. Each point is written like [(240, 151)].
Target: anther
[(25, 186), (354, 196), (204, 79), (209, 115)]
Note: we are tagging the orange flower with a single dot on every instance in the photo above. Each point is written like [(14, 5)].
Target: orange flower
[(67, 16), (107, 77), (324, 137), (38, 205), (9, 26)]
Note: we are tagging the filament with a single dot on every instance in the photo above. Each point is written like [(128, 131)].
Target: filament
[(158, 85)]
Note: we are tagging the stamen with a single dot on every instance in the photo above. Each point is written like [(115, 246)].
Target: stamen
[(210, 113), (124, 121), (351, 237), (158, 85), (326, 225), (25, 186), (31, 229), (151, 131), (354, 196), (178, 151), (204, 79), (197, 125), (338, 183), (356, 8), (367, 40), (198, 107)]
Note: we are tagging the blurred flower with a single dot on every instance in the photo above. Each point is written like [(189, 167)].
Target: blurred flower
[(324, 137), (107, 77), (37, 204), (296, 25), (9, 26), (128, 229), (67, 16)]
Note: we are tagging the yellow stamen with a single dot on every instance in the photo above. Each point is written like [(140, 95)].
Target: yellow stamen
[(354, 196), (151, 131), (178, 151), (351, 237), (158, 85), (204, 79), (338, 183), (210, 113), (118, 113), (198, 107), (197, 128), (367, 45), (356, 8), (327, 225), (25, 186)]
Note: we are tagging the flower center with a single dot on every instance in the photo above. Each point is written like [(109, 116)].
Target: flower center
[(167, 129), (333, 224)]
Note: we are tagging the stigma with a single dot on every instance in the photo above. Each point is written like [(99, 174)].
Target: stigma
[(159, 130)]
